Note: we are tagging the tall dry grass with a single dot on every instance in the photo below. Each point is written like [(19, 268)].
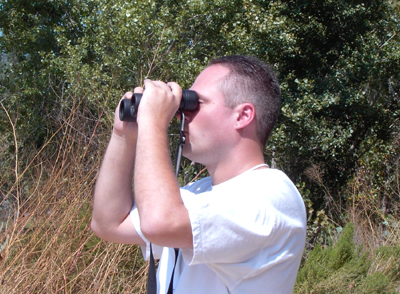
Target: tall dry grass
[(46, 194), (376, 217)]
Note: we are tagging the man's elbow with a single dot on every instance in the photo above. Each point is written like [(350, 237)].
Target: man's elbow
[(152, 229), (96, 228), (101, 231), (168, 234)]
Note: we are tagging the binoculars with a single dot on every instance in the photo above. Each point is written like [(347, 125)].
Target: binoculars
[(129, 107)]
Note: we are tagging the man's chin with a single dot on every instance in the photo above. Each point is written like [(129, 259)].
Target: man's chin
[(187, 152)]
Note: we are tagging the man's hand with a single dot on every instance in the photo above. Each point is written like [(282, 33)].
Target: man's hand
[(159, 103), (127, 130)]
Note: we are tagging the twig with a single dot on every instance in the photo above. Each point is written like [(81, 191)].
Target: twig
[(17, 197)]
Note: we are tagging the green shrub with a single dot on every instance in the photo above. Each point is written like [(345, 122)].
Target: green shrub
[(347, 268)]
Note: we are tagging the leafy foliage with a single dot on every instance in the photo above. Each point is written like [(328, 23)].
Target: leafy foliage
[(345, 268), (340, 87)]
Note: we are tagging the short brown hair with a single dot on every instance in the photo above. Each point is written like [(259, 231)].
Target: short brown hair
[(253, 81)]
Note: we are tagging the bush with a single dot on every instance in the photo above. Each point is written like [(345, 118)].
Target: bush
[(346, 268)]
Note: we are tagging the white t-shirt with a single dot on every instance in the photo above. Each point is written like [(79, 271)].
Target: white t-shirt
[(248, 237)]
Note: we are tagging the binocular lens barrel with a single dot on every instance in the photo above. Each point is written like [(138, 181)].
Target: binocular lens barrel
[(129, 107)]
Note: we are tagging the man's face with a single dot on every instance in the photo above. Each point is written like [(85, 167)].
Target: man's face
[(209, 128)]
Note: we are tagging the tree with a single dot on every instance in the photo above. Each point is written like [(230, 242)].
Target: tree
[(338, 62), (341, 88)]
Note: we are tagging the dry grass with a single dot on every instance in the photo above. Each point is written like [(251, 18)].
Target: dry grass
[(372, 206), (46, 242), (374, 225)]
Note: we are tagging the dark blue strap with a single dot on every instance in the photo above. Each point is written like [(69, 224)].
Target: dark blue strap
[(171, 283), (151, 277)]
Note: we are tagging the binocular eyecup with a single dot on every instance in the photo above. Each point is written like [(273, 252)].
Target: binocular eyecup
[(128, 107)]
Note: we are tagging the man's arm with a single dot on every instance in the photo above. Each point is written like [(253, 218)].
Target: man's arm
[(164, 218), (113, 198)]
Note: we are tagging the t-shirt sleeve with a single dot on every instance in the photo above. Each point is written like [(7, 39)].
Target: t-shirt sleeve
[(157, 250)]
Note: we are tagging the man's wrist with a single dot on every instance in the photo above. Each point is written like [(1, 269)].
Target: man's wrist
[(125, 139), (150, 125)]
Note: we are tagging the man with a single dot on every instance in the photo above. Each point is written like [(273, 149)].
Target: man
[(241, 230)]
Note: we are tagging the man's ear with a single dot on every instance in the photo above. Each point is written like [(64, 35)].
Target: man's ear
[(245, 115)]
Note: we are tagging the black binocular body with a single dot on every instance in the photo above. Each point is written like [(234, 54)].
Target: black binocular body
[(129, 107)]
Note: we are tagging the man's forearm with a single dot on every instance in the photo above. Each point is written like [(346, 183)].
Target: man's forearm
[(113, 192), (164, 218)]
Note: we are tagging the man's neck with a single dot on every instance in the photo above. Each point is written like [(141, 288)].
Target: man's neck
[(232, 166)]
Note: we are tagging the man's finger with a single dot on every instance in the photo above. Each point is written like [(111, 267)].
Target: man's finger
[(176, 89), (138, 90)]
